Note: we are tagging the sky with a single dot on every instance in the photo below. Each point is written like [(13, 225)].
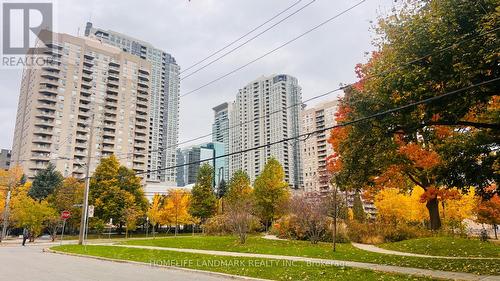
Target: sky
[(191, 30)]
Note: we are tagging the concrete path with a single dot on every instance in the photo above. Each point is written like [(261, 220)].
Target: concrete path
[(273, 237), (375, 249), (30, 263), (370, 266)]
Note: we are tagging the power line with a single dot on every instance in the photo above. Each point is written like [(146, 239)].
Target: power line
[(247, 41), (241, 37), (337, 89), (275, 49), (454, 45), (359, 120)]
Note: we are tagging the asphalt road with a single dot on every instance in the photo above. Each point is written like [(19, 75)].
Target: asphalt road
[(30, 263)]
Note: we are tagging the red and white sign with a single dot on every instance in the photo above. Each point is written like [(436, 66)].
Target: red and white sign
[(65, 215)]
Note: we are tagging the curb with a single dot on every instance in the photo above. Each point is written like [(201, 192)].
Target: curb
[(211, 273)]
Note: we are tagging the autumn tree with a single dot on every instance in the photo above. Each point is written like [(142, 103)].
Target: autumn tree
[(176, 208), (310, 214), (155, 211), (203, 201), (67, 197), (29, 213), (10, 181), (488, 212), (45, 182), (437, 145), (271, 192), (240, 204)]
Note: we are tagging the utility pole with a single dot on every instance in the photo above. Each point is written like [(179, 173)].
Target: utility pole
[(334, 217), (83, 221)]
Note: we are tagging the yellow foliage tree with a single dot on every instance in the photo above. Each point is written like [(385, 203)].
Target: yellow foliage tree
[(9, 180), (155, 211), (176, 209), (29, 213), (396, 206), (457, 209)]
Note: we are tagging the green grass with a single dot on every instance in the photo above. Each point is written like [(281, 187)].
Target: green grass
[(259, 245), (253, 267), (446, 246)]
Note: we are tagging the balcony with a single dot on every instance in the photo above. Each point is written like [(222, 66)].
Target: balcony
[(52, 68), (44, 122), (142, 84), (43, 131), (40, 148), (42, 140), (113, 64), (48, 86)]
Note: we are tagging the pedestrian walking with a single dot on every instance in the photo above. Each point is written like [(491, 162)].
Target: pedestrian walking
[(25, 236)]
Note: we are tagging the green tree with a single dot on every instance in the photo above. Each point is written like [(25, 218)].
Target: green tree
[(45, 182), (438, 145), (239, 186), (115, 191), (203, 201), (357, 208), (221, 189), (271, 192)]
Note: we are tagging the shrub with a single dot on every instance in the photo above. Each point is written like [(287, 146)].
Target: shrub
[(216, 226), (375, 233), (288, 228)]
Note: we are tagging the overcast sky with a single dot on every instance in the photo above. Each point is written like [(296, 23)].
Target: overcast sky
[(190, 30)]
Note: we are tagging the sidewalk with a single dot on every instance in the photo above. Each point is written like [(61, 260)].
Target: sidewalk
[(375, 249), (370, 266)]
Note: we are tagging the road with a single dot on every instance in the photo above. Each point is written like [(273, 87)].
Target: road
[(30, 263)]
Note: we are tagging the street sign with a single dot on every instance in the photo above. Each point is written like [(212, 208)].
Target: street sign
[(65, 215), (91, 211)]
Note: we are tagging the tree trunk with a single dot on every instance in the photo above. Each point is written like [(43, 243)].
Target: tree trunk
[(433, 208), (495, 231)]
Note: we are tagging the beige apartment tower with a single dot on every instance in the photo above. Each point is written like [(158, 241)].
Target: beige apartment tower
[(316, 149), (91, 89)]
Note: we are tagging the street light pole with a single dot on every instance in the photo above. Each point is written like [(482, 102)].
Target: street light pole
[(83, 221)]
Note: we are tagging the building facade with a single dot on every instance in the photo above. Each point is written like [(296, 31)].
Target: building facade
[(164, 101), (265, 111), (91, 89), (315, 148), (191, 158), (220, 134), (5, 155)]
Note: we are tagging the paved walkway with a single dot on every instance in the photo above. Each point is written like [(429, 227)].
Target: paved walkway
[(370, 266), (375, 249), (31, 263)]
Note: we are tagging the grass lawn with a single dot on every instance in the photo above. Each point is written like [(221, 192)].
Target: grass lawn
[(256, 244), (253, 267), (446, 246)]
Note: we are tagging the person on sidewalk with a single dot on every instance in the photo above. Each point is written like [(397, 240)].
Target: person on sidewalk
[(25, 235)]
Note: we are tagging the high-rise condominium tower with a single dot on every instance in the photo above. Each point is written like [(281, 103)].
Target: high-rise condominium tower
[(164, 101), (316, 149), (91, 89), (265, 111), (220, 134)]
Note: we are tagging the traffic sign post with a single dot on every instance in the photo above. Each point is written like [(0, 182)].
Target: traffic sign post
[(64, 216)]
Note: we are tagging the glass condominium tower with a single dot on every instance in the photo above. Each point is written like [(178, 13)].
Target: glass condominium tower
[(164, 101)]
